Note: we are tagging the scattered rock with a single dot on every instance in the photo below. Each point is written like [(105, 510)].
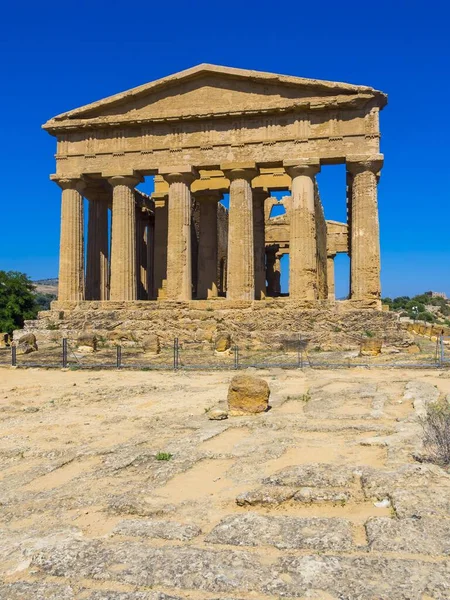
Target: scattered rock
[(247, 395), (217, 414), (223, 342), (87, 342), (266, 496), (413, 349), (27, 344), (151, 344), (371, 347)]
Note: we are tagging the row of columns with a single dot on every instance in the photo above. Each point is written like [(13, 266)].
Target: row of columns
[(246, 248)]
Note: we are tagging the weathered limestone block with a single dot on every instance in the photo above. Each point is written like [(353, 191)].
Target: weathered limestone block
[(313, 475), (151, 344), (247, 395), (371, 347), (119, 335), (283, 532), (4, 340), (159, 529), (223, 342), (87, 341), (27, 344), (415, 536)]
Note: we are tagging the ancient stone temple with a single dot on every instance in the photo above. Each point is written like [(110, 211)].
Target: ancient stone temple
[(203, 133)]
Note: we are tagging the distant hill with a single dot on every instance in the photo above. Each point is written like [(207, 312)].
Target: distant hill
[(422, 307), (47, 286)]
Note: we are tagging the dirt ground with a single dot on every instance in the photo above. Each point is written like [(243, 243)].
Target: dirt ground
[(323, 497)]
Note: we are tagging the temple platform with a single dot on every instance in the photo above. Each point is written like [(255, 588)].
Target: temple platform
[(326, 324)]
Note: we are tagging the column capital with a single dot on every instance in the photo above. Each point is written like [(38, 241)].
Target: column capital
[(302, 166), (179, 173), (130, 181), (236, 170), (71, 184), (360, 163)]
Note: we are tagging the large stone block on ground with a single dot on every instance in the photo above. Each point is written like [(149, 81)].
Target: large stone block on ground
[(150, 343), (283, 532), (223, 342), (371, 347), (4, 340), (27, 344), (87, 341), (248, 395), (180, 567), (359, 578), (313, 475), (415, 536)]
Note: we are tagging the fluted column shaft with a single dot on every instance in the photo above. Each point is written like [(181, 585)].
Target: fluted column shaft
[(259, 197), (241, 258), (71, 254), (364, 230), (97, 250), (303, 235), (330, 277), (179, 254), (123, 239), (207, 246)]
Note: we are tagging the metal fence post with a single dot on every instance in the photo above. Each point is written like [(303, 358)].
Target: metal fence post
[(175, 354), (442, 357), (236, 357), (13, 355), (118, 356), (64, 353)]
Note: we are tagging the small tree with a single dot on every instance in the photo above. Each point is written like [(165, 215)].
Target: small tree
[(436, 432), (17, 300)]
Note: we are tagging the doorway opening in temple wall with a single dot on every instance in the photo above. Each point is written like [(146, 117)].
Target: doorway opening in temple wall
[(332, 184), (342, 276)]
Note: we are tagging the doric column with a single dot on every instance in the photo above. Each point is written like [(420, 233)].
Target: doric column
[(259, 197), (303, 238), (141, 253), (179, 255), (207, 245), (364, 228), (97, 249), (330, 276), (71, 254), (160, 246), (241, 259), (123, 239)]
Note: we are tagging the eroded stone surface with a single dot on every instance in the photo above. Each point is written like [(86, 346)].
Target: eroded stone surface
[(415, 535), (166, 530), (283, 532)]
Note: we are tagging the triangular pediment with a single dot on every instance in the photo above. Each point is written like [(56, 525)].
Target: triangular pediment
[(208, 91)]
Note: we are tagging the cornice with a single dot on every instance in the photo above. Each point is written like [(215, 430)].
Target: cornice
[(356, 101)]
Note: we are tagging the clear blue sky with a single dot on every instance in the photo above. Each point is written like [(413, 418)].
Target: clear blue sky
[(60, 55)]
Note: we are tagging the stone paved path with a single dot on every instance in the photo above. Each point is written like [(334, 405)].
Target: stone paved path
[(320, 498)]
